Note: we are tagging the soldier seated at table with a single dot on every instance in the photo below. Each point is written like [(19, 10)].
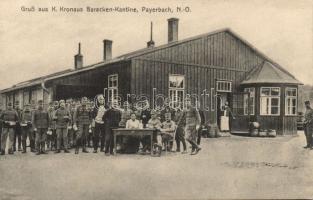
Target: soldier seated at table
[(133, 123), (155, 123), (167, 130), (132, 143)]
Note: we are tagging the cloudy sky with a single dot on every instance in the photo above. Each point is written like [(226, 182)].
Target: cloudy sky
[(34, 44)]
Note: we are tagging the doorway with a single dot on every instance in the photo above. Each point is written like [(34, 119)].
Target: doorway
[(222, 98)]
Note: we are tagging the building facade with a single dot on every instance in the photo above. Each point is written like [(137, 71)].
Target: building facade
[(211, 68)]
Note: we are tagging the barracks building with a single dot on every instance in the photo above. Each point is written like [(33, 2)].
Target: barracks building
[(220, 65)]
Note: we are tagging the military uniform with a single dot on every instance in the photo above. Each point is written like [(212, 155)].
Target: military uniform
[(40, 122), (62, 117), (168, 132), (82, 119), (191, 118), (26, 127), (18, 130), (308, 126), (9, 118), (180, 132)]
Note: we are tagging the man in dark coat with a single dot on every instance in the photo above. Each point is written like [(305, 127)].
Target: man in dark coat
[(40, 122), (111, 118), (81, 120), (308, 124), (26, 127), (9, 119), (18, 129)]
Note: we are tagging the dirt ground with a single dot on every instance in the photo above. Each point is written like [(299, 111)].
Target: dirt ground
[(229, 167)]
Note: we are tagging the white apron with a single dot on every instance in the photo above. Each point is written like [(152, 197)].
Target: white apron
[(224, 122)]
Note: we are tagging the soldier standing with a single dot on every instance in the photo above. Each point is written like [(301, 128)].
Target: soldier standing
[(308, 124), (62, 117), (26, 127), (9, 118), (18, 129), (192, 122), (180, 133), (82, 120), (112, 117), (97, 115), (40, 121)]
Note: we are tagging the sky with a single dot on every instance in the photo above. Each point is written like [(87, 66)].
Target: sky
[(33, 44)]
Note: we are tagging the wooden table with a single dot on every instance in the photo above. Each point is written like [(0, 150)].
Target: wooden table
[(133, 132)]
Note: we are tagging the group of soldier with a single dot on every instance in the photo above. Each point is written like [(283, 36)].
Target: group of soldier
[(74, 124)]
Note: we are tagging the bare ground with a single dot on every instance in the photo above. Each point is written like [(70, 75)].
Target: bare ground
[(233, 167)]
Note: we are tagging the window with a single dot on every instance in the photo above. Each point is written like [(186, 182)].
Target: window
[(291, 101), (176, 90), (270, 101), (112, 87), (223, 86), (249, 101)]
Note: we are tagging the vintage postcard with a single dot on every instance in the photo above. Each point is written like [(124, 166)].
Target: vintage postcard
[(169, 99)]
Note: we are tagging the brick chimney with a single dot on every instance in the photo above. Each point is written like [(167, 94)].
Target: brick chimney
[(78, 59), (172, 29), (107, 49)]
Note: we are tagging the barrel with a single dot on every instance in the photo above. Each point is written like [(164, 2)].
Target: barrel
[(254, 132), (212, 132), (271, 133)]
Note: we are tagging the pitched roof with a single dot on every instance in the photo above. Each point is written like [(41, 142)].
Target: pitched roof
[(269, 73), (135, 54)]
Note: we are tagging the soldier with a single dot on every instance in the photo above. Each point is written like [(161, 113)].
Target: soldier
[(62, 118), (308, 124), (168, 131), (9, 118), (0, 125), (125, 115), (40, 122), (192, 120), (18, 129), (180, 133), (111, 117), (71, 108), (82, 120), (26, 127), (97, 115)]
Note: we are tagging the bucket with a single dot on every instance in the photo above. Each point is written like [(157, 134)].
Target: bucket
[(254, 132), (271, 133), (262, 133)]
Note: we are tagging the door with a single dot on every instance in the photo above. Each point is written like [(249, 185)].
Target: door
[(241, 113), (221, 99)]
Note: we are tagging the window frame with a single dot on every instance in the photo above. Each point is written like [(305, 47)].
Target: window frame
[(291, 97), (270, 97), (112, 88), (176, 90), (230, 86)]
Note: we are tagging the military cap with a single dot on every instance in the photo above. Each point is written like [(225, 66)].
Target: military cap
[(307, 102), (153, 112), (10, 104), (40, 101)]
